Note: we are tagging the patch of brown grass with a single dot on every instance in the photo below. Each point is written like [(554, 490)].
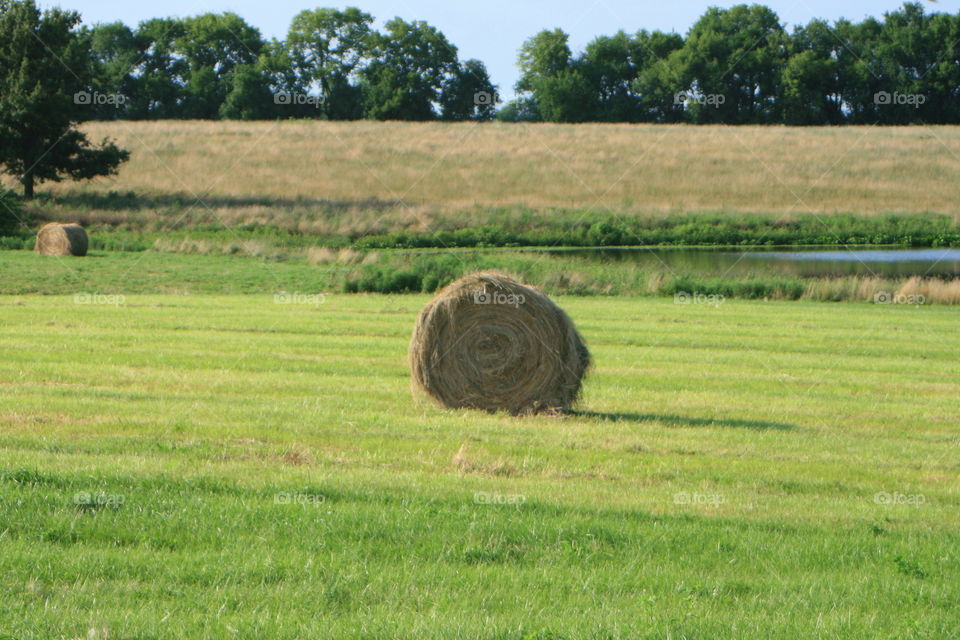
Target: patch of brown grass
[(915, 290), (931, 290), (296, 458), (848, 288), (321, 255), (465, 463), (326, 255)]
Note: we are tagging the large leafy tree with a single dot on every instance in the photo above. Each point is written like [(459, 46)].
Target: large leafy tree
[(735, 53), (542, 56), (859, 69), (410, 64), (621, 71), (213, 46), (45, 66), (918, 57), (159, 76), (659, 76), (565, 97), (326, 48), (117, 53), (249, 97), (941, 75), (469, 94), (610, 64), (812, 93), (554, 82)]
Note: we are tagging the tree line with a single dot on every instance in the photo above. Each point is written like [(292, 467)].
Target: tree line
[(332, 64), (740, 66), (734, 66)]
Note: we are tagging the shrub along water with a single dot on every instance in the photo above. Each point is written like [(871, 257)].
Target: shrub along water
[(426, 273), (693, 230)]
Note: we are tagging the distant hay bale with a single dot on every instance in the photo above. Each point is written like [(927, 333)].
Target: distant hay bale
[(488, 342), (56, 239)]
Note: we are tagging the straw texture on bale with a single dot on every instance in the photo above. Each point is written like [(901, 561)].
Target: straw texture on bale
[(56, 239), (488, 342)]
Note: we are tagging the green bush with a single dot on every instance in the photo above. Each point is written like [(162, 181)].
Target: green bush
[(118, 242), (12, 242), (375, 279), (424, 274), (756, 288)]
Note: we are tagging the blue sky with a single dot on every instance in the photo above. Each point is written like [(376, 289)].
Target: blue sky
[(493, 30)]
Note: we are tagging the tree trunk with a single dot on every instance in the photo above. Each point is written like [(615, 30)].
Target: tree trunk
[(27, 181)]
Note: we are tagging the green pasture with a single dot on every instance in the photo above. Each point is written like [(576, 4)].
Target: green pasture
[(252, 466)]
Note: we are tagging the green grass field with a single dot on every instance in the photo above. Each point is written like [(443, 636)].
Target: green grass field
[(203, 435), (210, 466)]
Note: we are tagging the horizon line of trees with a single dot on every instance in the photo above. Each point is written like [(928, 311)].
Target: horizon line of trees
[(332, 64), (740, 66), (734, 66)]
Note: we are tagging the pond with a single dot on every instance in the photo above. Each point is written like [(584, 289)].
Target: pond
[(820, 262)]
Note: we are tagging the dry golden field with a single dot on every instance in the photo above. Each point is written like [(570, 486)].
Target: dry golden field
[(361, 173)]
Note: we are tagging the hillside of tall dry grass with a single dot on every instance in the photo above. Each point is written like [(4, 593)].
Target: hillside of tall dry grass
[(326, 177)]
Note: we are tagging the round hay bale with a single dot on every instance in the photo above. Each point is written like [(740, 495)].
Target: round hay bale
[(56, 239), (489, 342)]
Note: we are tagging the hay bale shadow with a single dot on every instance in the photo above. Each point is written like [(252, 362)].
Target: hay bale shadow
[(673, 420)]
